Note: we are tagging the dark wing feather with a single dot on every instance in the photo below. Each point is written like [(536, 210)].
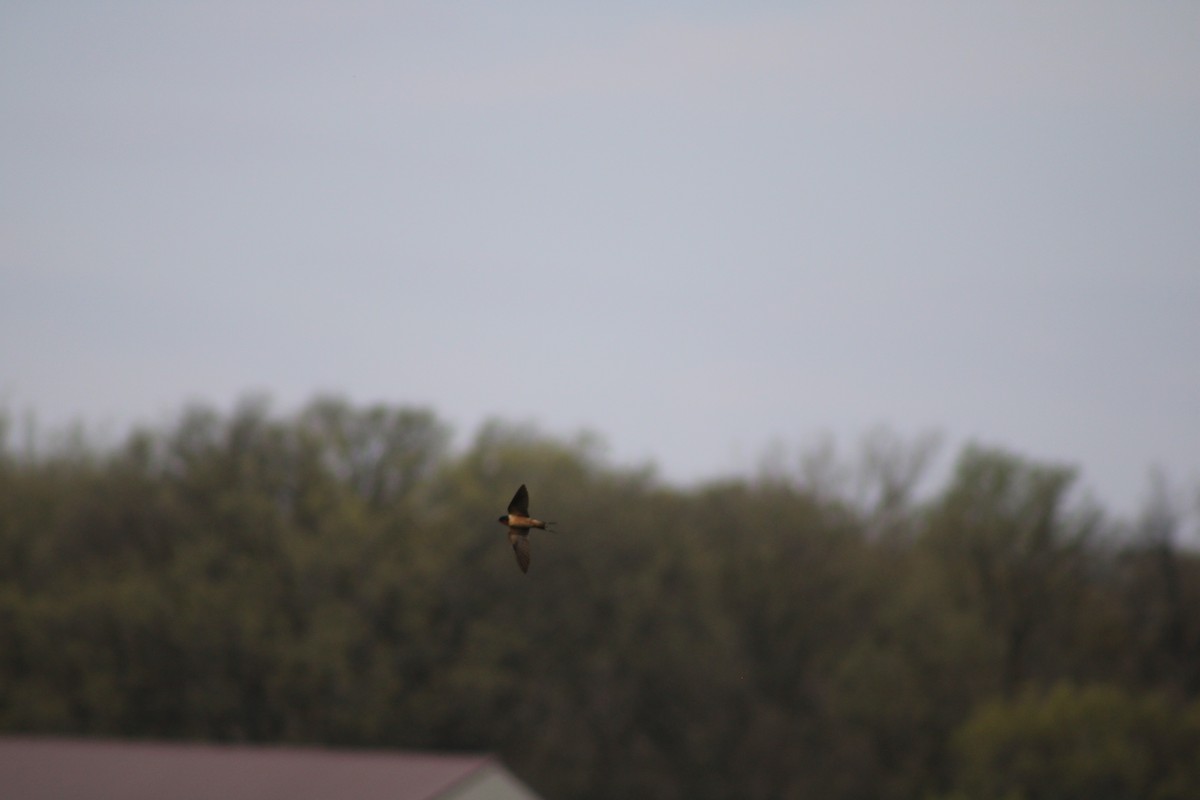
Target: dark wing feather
[(520, 545), (520, 502)]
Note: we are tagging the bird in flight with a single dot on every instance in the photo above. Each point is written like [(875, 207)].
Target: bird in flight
[(519, 522)]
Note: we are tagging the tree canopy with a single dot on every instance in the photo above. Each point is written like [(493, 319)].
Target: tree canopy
[(337, 576)]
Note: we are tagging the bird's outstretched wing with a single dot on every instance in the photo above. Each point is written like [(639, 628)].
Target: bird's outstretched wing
[(520, 502), (520, 545)]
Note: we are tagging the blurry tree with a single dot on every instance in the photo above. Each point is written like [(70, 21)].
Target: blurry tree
[(888, 474), (382, 453), (337, 576), (1080, 743), (1012, 553), (1161, 591)]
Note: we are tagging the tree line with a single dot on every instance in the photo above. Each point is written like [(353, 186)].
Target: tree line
[(336, 576)]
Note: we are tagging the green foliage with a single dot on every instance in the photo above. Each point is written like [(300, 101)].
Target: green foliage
[(337, 576), (1080, 743), (1012, 553)]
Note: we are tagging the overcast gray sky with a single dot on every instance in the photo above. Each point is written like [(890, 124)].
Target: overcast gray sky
[(695, 228)]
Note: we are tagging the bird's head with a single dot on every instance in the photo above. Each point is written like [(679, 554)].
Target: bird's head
[(503, 519)]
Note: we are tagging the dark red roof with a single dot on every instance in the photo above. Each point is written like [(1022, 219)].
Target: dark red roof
[(37, 769)]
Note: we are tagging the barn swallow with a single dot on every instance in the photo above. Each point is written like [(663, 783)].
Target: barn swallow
[(519, 522)]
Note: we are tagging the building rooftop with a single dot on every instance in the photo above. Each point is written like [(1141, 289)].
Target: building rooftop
[(34, 768)]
